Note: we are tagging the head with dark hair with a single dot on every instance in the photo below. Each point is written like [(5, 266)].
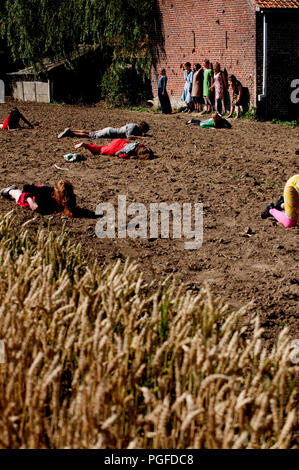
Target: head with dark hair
[(14, 118), (188, 65), (142, 153), (15, 112), (163, 72), (217, 119), (65, 197), (232, 79), (217, 67), (143, 127), (206, 63), (197, 66)]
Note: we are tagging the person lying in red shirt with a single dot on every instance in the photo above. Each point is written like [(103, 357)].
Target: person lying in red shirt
[(121, 148)]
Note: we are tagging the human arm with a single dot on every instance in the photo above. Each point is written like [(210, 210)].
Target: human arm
[(212, 81), (32, 204), (95, 149), (190, 78), (240, 94), (164, 82), (224, 81), (26, 121)]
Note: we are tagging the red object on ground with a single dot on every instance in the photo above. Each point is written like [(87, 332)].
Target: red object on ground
[(5, 123), (111, 149), (23, 200)]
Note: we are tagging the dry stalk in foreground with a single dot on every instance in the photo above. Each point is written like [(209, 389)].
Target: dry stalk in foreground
[(94, 361)]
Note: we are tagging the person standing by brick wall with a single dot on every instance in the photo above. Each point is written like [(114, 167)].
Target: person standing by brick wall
[(237, 95), (207, 83), (197, 86), (219, 85), (162, 93), (186, 95)]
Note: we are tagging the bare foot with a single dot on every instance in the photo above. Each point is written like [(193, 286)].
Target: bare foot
[(80, 146)]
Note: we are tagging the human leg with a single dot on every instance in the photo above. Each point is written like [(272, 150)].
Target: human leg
[(8, 192), (209, 105), (108, 132), (281, 217), (66, 133), (15, 194), (160, 95), (80, 133), (232, 109), (205, 98), (194, 121)]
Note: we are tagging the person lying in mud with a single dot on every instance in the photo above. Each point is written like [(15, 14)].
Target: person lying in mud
[(286, 209), (128, 130), (59, 199), (215, 122), (121, 148), (12, 121)]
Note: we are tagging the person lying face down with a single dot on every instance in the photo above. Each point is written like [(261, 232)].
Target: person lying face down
[(121, 148), (59, 198), (128, 130), (215, 122), (12, 120)]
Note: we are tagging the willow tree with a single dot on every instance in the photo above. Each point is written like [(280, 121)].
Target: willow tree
[(35, 29)]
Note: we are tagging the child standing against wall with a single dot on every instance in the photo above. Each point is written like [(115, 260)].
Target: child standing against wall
[(207, 83), (162, 93), (219, 85), (186, 95), (197, 86), (237, 96)]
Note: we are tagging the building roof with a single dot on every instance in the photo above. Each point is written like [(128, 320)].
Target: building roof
[(277, 3), (50, 64)]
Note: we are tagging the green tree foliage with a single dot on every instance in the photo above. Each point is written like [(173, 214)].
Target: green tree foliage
[(34, 29)]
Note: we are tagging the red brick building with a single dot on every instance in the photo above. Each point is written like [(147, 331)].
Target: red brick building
[(256, 40)]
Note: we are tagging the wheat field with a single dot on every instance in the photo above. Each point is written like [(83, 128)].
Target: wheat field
[(99, 359)]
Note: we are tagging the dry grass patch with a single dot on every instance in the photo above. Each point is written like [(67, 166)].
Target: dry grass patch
[(95, 360)]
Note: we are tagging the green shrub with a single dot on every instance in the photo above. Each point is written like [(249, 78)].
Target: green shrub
[(121, 85)]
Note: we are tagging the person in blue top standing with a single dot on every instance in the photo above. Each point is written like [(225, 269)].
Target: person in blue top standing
[(162, 93), (186, 95)]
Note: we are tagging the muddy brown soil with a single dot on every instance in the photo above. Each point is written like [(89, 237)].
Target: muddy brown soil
[(234, 173)]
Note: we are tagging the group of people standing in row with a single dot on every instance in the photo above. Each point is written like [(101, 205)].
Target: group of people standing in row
[(204, 86)]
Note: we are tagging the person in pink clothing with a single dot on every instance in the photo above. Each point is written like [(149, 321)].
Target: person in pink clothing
[(286, 209), (219, 85)]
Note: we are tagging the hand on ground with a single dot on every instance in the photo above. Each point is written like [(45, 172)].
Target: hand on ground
[(80, 146)]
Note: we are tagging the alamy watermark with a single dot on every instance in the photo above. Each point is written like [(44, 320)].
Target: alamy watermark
[(142, 226), (2, 91), (294, 356), (2, 352), (295, 93)]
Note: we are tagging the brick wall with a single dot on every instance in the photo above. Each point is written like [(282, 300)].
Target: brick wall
[(220, 30)]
